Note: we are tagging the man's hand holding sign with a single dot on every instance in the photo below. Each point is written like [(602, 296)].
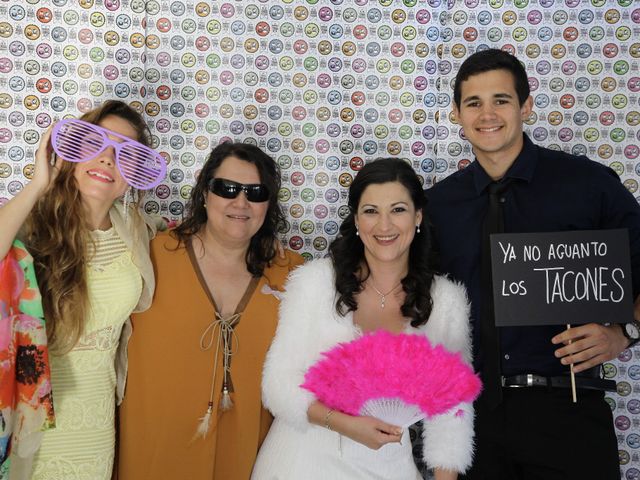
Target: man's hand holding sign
[(592, 344)]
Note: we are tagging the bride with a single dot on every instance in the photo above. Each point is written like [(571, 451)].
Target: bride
[(377, 277)]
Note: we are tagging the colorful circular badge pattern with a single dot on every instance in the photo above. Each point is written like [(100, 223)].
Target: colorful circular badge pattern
[(312, 85), (323, 87)]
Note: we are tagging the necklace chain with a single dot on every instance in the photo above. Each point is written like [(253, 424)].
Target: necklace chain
[(382, 295)]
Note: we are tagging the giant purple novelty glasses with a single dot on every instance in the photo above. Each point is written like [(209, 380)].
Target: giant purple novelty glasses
[(80, 141)]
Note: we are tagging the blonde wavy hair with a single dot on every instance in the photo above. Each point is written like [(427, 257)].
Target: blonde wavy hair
[(57, 235)]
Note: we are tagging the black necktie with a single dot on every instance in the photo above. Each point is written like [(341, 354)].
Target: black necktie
[(489, 334)]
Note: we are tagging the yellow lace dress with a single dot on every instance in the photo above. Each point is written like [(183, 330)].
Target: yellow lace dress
[(82, 445)]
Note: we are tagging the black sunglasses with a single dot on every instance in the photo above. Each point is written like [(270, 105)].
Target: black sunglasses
[(255, 192)]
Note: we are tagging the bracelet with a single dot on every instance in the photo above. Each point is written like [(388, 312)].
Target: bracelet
[(326, 419)]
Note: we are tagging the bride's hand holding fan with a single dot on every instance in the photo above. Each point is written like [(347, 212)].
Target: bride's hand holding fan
[(368, 431)]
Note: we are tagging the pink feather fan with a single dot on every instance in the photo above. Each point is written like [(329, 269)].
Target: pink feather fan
[(399, 379)]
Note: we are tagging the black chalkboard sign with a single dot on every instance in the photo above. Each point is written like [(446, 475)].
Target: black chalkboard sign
[(560, 278)]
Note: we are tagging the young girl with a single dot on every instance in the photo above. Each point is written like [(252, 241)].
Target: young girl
[(92, 263)]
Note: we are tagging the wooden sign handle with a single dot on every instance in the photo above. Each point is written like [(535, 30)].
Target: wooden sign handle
[(573, 377)]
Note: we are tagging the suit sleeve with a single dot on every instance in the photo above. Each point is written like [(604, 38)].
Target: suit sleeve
[(621, 210)]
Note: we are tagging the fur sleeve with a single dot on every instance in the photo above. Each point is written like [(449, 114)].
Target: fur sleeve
[(448, 438), (303, 332)]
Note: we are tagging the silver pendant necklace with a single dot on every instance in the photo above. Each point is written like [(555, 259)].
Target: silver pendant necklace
[(383, 295)]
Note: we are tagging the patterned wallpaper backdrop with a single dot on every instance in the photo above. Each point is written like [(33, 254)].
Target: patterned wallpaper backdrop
[(324, 86)]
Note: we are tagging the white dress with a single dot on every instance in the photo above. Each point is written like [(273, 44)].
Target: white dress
[(309, 325)]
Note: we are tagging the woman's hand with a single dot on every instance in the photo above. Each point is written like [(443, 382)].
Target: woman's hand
[(14, 213), (45, 172), (440, 474), (368, 431)]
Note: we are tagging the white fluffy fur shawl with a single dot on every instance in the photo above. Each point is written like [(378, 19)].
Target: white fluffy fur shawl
[(309, 325)]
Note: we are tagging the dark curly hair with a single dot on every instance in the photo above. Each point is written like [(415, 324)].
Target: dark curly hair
[(347, 250), (262, 246)]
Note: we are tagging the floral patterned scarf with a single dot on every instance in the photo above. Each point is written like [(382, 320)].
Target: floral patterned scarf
[(26, 407)]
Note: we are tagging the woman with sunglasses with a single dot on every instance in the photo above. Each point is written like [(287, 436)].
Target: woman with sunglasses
[(93, 268), (193, 408)]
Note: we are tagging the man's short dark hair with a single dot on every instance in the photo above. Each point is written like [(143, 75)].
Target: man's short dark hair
[(487, 61)]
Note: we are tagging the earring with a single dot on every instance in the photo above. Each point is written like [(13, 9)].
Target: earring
[(418, 228), (204, 205), (357, 231)]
